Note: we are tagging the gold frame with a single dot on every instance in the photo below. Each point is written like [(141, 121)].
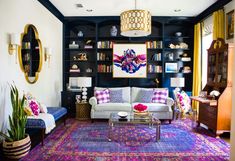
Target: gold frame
[(40, 54), (146, 62)]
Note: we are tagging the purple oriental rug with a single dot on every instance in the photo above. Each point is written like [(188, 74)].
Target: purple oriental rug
[(89, 141)]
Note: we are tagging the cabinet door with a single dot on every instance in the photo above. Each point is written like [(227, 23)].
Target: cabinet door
[(68, 101), (208, 115)]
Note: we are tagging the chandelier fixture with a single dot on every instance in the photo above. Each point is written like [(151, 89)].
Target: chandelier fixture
[(135, 23)]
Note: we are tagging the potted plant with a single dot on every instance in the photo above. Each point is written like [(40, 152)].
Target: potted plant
[(17, 143)]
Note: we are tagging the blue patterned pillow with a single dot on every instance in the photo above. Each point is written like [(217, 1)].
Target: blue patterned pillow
[(145, 96), (116, 96)]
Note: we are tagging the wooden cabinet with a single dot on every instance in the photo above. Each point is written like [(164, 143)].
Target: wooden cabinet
[(218, 116)]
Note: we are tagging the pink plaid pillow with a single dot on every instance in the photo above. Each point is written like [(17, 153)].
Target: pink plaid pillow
[(102, 96), (160, 96)]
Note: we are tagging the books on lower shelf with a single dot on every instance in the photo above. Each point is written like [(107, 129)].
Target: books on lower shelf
[(102, 57), (154, 69), (103, 68)]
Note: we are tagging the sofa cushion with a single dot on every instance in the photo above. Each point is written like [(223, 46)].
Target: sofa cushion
[(135, 92), (113, 107), (116, 96), (160, 96), (102, 96), (126, 92), (154, 107), (145, 96)]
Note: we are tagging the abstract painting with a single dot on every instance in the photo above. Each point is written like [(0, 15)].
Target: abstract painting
[(129, 61)]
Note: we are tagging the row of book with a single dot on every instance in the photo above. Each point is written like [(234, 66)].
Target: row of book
[(103, 68), (154, 69), (154, 44), (157, 57), (104, 44), (102, 57)]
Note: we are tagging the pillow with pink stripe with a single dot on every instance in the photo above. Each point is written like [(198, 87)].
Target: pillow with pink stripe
[(102, 96), (160, 96)]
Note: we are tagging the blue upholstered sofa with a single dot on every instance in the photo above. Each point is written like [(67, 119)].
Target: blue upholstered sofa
[(57, 112)]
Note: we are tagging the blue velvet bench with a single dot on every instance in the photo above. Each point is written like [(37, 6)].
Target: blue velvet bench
[(57, 112)]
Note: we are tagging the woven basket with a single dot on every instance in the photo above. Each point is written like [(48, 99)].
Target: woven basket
[(17, 149)]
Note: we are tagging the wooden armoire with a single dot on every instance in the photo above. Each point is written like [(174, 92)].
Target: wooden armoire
[(217, 116)]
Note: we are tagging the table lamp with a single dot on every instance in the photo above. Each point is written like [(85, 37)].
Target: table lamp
[(177, 82), (84, 82)]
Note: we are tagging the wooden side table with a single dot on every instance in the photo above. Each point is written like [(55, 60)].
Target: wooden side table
[(83, 111)]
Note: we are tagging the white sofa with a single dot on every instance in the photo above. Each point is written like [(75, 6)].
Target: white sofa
[(129, 96)]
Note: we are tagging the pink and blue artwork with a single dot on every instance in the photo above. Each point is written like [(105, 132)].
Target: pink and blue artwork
[(129, 61)]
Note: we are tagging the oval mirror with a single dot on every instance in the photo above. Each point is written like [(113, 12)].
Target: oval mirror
[(30, 55)]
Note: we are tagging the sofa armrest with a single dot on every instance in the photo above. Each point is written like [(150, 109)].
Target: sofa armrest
[(93, 101), (170, 102)]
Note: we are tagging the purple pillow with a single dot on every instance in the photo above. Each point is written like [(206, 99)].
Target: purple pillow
[(160, 96), (145, 96), (102, 96), (116, 96)]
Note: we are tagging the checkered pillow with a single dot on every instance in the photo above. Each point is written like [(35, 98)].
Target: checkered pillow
[(102, 96), (160, 96)]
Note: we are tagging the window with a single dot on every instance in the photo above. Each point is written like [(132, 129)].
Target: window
[(207, 38)]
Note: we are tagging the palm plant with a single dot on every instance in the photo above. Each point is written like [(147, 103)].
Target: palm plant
[(18, 118)]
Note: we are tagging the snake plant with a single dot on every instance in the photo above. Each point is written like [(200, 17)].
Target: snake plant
[(18, 118)]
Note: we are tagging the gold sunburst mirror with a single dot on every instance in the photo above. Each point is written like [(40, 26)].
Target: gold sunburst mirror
[(30, 55)]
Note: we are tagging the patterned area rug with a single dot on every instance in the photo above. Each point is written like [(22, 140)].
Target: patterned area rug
[(89, 141)]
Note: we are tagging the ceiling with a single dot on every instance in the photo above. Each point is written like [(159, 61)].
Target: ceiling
[(115, 7)]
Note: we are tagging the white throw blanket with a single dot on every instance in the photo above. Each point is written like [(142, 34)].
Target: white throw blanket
[(48, 119)]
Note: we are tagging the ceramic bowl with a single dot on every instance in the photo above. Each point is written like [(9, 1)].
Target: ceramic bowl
[(122, 114)]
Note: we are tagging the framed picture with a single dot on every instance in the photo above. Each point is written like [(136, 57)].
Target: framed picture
[(129, 61), (230, 25), (171, 68)]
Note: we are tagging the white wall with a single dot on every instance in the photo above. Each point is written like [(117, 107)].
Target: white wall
[(14, 15), (230, 6)]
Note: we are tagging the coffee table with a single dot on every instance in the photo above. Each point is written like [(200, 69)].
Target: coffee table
[(150, 119)]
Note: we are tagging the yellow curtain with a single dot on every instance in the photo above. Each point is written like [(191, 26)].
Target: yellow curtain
[(197, 75), (218, 24)]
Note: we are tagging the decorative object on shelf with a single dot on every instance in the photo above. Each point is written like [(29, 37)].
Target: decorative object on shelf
[(80, 56), (30, 40), (74, 66), (80, 34), (184, 57), (13, 47), (157, 82), (230, 25), (129, 61), (73, 45), (135, 23), (171, 67), (113, 31), (186, 69), (170, 56), (182, 45), (17, 144), (78, 98), (74, 69), (178, 34), (88, 70), (84, 82), (89, 44)]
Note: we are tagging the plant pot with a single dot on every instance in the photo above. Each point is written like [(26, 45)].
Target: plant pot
[(17, 149)]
